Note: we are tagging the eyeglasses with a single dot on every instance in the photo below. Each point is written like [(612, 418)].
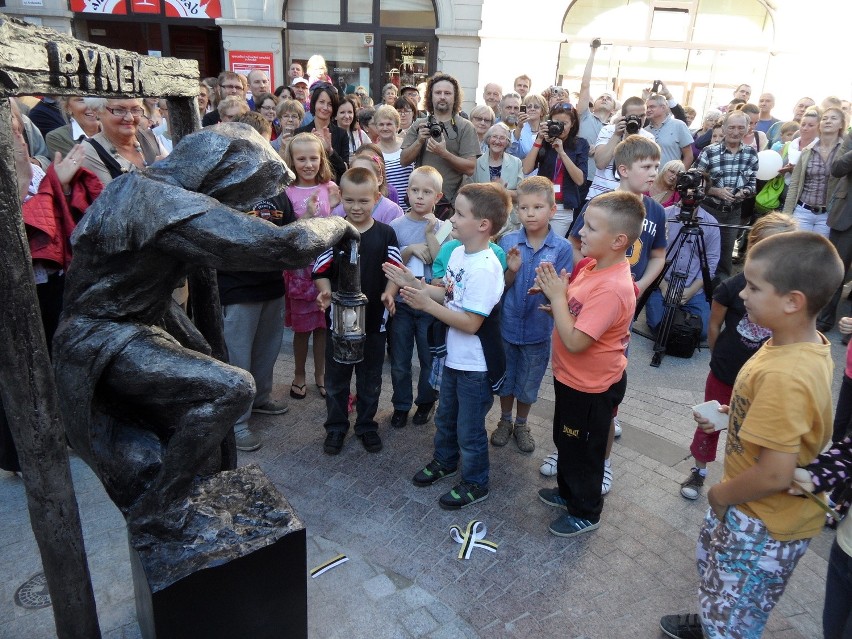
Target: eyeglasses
[(121, 112), (267, 108), (563, 105), (483, 120), (236, 87), (533, 106)]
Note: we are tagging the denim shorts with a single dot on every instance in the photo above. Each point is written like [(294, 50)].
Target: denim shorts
[(525, 368)]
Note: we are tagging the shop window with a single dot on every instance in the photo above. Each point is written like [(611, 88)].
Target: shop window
[(411, 14), (312, 11), (346, 57), (360, 11)]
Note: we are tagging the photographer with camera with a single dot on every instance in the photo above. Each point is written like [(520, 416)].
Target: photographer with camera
[(562, 156), (731, 169), (630, 122), (442, 140), (593, 116)]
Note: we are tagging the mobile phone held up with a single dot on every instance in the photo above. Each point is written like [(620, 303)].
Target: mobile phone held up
[(656, 86)]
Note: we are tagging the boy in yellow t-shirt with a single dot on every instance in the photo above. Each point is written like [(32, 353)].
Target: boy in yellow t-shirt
[(780, 418)]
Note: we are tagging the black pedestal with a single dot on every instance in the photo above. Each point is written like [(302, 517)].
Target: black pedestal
[(246, 578)]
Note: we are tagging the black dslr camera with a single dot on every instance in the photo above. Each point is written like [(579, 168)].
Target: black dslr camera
[(436, 129), (690, 186), (632, 124), (555, 128)]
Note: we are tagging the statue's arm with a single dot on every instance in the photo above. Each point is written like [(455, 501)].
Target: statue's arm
[(223, 239)]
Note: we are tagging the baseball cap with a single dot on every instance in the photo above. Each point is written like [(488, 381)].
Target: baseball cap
[(301, 81)]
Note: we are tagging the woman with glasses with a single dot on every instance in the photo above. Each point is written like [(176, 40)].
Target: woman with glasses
[(266, 104), (324, 105), (562, 157), (407, 110), (482, 118), (122, 145), (290, 114), (537, 112)]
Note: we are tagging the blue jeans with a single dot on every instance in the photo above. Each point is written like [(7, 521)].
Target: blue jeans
[(698, 305), (368, 386), (460, 422), (410, 327), (836, 616)]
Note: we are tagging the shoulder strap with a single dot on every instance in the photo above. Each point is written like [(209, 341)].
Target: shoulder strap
[(110, 162)]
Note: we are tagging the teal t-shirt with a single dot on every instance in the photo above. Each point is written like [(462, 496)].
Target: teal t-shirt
[(439, 265)]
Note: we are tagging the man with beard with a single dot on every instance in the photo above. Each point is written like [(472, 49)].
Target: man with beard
[(454, 147)]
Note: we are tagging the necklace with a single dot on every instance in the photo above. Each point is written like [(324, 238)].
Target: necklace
[(137, 147)]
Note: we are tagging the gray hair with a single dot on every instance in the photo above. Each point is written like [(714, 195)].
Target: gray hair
[(494, 129)]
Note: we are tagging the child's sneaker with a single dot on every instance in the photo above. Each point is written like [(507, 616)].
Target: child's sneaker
[(691, 488), (682, 626), (501, 435), (551, 497), (616, 427), (570, 526), (606, 485), (431, 473), (548, 466), (464, 494)]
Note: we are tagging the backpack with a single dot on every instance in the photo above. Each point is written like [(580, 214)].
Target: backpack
[(685, 334)]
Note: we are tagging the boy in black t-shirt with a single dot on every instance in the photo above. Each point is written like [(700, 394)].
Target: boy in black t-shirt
[(359, 192), (730, 348)]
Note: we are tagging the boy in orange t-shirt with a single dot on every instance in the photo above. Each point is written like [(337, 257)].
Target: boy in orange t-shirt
[(592, 319)]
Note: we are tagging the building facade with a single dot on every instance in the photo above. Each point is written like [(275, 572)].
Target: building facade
[(702, 49)]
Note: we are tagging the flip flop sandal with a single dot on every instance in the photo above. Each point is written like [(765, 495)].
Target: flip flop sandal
[(321, 390), (294, 394)]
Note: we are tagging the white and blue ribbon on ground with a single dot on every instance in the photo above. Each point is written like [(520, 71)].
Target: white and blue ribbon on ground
[(471, 537)]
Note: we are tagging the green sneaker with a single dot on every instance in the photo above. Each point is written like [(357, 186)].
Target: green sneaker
[(432, 473), (464, 494)]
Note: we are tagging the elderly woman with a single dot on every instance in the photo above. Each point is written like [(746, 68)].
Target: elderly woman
[(704, 135), (814, 192), (122, 145), (203, 99), (663, 188), (82, 124), (387, 122), (482, 117), (500, 167), (267, 104), (389, 94)]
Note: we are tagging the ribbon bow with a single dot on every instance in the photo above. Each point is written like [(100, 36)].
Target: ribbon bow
[(472, 537)]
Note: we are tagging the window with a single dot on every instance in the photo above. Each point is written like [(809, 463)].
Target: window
[(412, 14)]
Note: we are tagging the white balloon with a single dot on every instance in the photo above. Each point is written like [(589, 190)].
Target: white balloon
[(768, 164)]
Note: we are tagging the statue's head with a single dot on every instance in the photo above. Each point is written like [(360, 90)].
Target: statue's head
[(230, 162)]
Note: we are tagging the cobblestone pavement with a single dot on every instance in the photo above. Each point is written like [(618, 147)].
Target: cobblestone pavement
[(403, 578)]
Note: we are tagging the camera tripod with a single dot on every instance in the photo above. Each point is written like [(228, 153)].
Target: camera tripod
[(689, 237)]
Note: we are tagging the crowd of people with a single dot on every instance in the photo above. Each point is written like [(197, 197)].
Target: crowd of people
[(519, 235)]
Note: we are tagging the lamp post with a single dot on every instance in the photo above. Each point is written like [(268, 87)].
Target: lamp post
[(348, 305)]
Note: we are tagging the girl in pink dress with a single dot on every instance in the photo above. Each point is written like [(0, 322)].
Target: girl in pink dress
[(312, 194)]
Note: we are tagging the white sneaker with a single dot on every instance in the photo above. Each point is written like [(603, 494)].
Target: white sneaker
[(617, 425), (607, 479), (548, 466)]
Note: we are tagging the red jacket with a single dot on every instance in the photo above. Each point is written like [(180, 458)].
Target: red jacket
[(50, 218)]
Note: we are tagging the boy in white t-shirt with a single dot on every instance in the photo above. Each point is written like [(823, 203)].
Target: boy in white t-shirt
[(475, 364)]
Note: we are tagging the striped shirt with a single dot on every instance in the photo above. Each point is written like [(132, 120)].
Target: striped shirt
[(728, 170), (816, 177), (397, 174)]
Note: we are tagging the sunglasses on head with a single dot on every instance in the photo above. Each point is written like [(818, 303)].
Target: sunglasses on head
[(324, 85)]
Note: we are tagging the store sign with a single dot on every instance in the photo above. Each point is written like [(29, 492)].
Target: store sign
[(243, 62), (173, 8)]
